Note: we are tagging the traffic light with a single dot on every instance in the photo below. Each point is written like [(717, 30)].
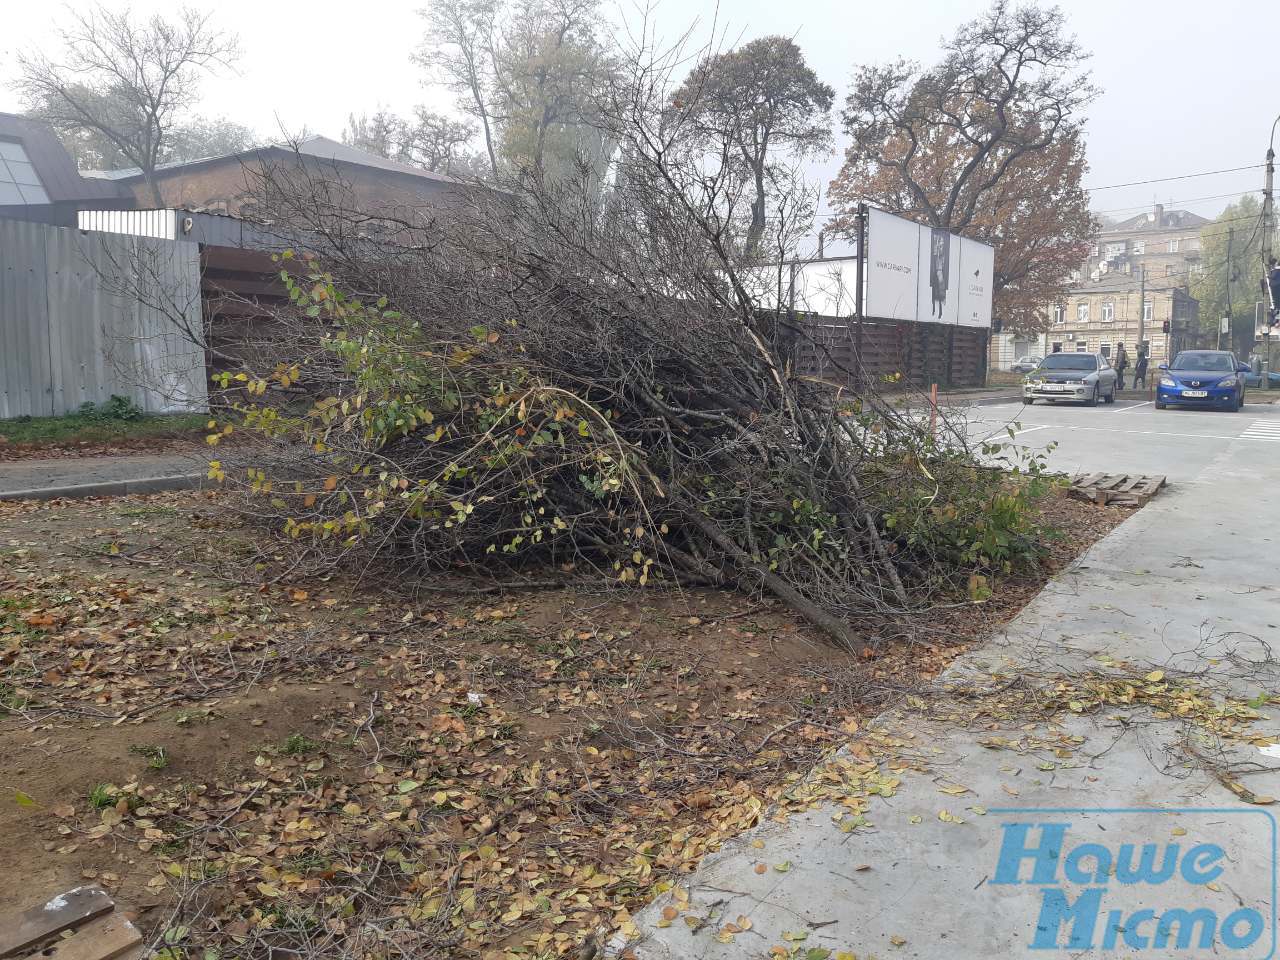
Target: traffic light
[(1164, 327)]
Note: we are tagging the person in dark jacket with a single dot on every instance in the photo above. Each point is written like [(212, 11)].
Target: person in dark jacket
[(1140, 370), (1121, 365)]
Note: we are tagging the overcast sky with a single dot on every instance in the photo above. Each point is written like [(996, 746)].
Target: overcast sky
[(1188, 88)]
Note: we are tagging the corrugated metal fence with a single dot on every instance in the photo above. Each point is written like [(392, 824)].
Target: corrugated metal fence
[(84, 316)]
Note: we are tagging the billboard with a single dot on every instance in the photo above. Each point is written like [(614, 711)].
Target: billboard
[(922, 273)]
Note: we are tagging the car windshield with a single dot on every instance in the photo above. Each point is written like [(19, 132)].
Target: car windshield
[(1202, 360), (1070, 361)]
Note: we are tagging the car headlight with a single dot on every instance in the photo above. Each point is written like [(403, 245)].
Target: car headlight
[(1228, 382), (1166, 382)]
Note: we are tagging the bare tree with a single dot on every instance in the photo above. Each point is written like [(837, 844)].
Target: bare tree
[(460, 47), (1011, 84), (430, 140), (129, 82), (438, 143)]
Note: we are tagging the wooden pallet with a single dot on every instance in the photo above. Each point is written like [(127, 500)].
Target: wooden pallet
[(79, 924), (1116, 489)]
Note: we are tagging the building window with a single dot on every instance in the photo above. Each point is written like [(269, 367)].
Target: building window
[(19, 182), (1114, 249), (1174, 244), (1168, 269), (1059, 313), (1093, 252), (1057, 346), (1108, 311), (1082, 312), (1139, 247), (1082, 346), (1146, 310), (1105, 350)]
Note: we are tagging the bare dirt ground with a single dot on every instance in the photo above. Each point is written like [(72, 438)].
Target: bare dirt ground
[(254, 762)]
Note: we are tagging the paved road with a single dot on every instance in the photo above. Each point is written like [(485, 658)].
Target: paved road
[(1189, 583), (1131, 437), (100, 476)]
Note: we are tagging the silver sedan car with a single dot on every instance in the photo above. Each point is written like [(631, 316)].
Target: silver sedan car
[(1087, 377)]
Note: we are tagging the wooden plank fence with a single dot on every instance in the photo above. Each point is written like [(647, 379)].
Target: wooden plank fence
[(922, 353)]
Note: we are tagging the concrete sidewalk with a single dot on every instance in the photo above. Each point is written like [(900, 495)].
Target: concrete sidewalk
[(44, 479), (1188, 583)]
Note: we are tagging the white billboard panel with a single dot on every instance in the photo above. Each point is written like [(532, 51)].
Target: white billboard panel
[(828, 288), (977, 282), (922, 273), (893, 266)]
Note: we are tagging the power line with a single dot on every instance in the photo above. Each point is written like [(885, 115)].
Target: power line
[(1185, 176), (1177, 203)]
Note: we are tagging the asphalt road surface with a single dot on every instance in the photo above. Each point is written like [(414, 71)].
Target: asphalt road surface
[(1132, 437)]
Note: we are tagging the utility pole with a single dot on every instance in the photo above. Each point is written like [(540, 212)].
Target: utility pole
[(1231, 235), (1142, 309), (1268, 226)]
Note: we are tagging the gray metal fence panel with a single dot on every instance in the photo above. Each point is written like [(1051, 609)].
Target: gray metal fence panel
[(24, 321), (85, 315)]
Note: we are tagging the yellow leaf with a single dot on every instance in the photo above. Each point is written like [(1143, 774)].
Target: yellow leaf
[(268, 890), (1155, 676)]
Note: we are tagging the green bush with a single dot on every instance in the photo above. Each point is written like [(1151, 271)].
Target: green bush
[(116, 408)]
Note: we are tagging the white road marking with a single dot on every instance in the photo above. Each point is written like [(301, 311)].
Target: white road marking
[(1163, 433), (1265, 430), (1144, 403)]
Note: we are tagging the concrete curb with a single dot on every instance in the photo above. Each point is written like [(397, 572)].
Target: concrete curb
[(109, 488)]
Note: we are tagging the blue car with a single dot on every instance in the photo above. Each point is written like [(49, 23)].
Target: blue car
[(1202, 378)]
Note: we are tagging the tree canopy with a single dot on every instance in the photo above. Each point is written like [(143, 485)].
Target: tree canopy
[(1228, 284), (530, 73), (754, 104)]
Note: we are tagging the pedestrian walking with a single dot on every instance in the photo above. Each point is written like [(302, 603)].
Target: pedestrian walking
[(1121, 365), (1140, 370)]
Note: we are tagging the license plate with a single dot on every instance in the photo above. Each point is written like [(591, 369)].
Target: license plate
[(1195, 393), (1054, 387)]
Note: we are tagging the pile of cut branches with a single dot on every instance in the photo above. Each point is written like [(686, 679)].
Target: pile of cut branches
[(543, 376)]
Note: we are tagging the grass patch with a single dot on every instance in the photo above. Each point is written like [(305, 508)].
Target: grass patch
[(109, 422), (157, 758), (296, 745)]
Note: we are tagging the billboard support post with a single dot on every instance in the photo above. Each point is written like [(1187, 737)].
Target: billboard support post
[(858, 295)]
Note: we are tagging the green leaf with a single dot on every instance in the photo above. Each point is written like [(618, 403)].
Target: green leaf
[(408, 786), (22, 799)]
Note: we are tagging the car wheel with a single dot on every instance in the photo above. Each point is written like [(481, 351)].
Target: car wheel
[(1029, 401), (1111, 397), (1093, 400), (1160, 406)]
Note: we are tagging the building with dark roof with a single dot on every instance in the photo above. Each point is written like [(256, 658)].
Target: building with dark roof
[(233, 184), (39, 180)]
